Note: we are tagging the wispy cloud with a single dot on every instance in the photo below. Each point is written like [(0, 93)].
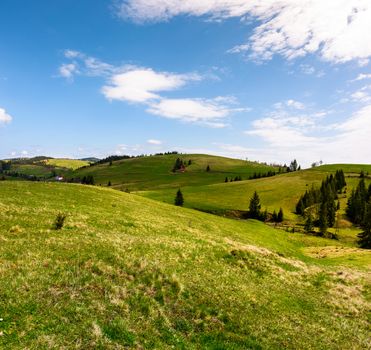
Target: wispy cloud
[(339, 31), (154, 142), (308, 137), (209, 112), (5, 118), (138, 84), (144, 85)]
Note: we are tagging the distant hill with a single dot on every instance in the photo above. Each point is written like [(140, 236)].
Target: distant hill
[(129, 272), (282, 190), (153, 172), (41, 167), (90, 159)]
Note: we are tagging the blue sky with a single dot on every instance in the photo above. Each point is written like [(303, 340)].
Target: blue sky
[(268, 81)]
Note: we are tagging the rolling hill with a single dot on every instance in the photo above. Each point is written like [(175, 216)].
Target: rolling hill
[(282, 190), (155, 172), (130, 272), (42, 167)]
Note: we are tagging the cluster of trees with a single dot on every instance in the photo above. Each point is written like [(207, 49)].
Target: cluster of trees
[(294, 166), (88, 180), (324, 201), (260, 175), (236, 178), (5, 166), (359, 212), (180, 164), (256, 213)]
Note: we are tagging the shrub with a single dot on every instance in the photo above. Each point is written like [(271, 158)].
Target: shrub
[(59, 221)]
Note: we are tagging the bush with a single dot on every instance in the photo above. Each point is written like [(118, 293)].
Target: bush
[(59, 221)]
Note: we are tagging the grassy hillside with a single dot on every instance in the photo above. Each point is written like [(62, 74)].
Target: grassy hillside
[(156, 171), (279, 191), (65, 163), (129, 272), (43, 167)]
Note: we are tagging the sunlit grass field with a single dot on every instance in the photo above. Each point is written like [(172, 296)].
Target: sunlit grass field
[(65, 163), (155, 172), (129, 272), (275, 192)]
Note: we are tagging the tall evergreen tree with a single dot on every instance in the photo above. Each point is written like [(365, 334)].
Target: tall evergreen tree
[(308, 227), (364, 238), (254, 207), (322, 221), (280, 215), (179, 200), (208, 168)]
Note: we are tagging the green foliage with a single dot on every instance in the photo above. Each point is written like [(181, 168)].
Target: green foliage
[(88, 180), (59, 221), (254, 207), (364, 238), (179, 200), (309, 225)]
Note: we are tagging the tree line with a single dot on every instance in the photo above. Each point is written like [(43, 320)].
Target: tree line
[(359, 212), (319, 205)]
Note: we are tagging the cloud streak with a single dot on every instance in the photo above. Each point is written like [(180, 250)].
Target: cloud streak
[(339, 31), (5, 118), (143, 85)]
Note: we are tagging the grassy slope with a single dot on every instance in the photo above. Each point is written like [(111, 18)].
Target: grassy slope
[(155, 171), (66, 163), (44, 168), (128, 271), (279, 191)]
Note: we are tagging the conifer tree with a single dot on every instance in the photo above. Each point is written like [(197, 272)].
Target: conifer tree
[(226, 179), (364, 238), (179, 200), (208, 168), (254, 207), (280, 215), (322, 222), (308, 227)]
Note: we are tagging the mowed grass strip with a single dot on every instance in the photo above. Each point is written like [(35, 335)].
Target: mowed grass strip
[(129, 272)]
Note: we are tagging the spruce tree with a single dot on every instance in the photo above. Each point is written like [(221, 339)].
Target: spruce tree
[(179, 200), (364, 238), (280, 215), (322, 221), (208, 168), (254, 207), (109, 183), (226, 179), (274, 216), (308, 227)]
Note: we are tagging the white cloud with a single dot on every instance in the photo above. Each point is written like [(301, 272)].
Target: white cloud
[(362, 76), (338, 30), (5, 118), (289, 103), (68, 70), (142, 84), (286, 137), (239, 48), (154, 142), (84, 65), (210, 112), (146, 86), (360, 96)]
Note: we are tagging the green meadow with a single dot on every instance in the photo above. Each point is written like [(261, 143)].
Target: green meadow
[(130, 272), (155, 172)]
